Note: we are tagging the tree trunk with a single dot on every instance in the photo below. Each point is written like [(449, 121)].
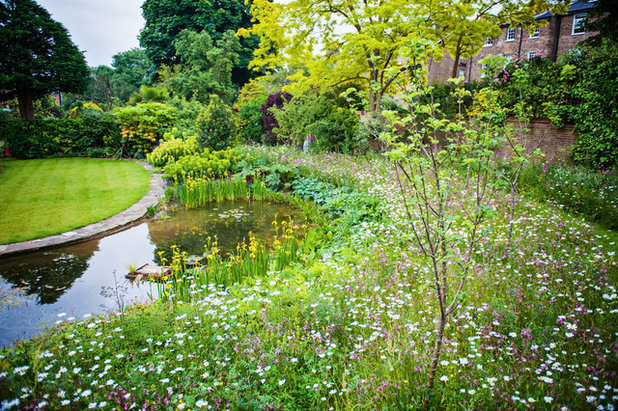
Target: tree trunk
[(26, 108), (437, 351)]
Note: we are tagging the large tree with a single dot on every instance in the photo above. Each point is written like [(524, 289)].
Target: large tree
[(37, 56), (351, 42), (205, 66), (165, 19)]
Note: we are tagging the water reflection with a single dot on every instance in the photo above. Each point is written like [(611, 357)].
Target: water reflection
[(231, 223), (48, 275), (88, 278)]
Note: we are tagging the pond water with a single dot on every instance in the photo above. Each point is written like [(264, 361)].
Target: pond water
[(39, 288)]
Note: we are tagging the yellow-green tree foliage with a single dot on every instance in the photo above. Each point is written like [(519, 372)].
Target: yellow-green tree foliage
[(347, 42)]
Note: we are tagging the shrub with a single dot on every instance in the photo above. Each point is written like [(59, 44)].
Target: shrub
[(144, 124), (50, 137), (187, 112), (209, 163), (251, 120), (252, 90), (87, 109), (270, 122), (216, 127), (333, 128), (172, 148)]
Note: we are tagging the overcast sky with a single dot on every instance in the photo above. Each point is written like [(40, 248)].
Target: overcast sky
[(99, 28)]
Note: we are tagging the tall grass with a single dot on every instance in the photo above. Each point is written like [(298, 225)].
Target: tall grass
[(198, 191), (579, 190)]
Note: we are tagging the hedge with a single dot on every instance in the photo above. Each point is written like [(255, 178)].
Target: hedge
[(50, 137)]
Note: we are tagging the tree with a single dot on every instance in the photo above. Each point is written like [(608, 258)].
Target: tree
[(460, 27), (165, 19), (359, 42), (348, 42), (205, 68), (37, 57), (604, 19), (132, 68), (100, 90)]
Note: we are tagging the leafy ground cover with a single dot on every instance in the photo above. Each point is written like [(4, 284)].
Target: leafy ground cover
[(353, 325), (45, 197)]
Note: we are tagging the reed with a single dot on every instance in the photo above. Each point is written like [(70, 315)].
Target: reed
[(198, 191), (251, 259)]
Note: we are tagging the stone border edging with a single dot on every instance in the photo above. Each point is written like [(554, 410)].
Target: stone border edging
[(111, 224)]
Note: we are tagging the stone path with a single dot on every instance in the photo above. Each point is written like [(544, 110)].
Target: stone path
[(112, 224)]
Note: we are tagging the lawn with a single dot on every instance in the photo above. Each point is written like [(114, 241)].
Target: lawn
[(45, 197)]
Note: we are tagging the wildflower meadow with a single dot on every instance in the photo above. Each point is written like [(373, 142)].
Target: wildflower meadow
[(350, 322)]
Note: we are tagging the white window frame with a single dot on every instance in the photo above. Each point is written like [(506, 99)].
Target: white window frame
[(488, 42), (535, 32), (462, 73), (577, 19), (510, 31), (483, 68), (532, 54)]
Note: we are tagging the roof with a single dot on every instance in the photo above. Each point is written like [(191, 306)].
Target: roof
[(577, 6)]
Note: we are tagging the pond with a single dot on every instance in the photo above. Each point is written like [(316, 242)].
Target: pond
[(88, 278)]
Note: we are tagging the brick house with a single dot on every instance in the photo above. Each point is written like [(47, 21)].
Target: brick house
[(560, 34)]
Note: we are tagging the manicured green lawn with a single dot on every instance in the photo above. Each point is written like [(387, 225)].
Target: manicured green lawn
[(45, 197)]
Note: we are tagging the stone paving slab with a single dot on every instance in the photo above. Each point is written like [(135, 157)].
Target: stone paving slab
[(109, 225)]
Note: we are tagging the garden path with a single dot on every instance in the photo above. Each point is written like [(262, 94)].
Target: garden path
[(107, 226)]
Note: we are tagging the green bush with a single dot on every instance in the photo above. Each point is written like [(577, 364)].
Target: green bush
[(52, 137), (251, 120), (144, 124), (332, 127), (596, 117), (215, 126), (172, 148), (209, 163)]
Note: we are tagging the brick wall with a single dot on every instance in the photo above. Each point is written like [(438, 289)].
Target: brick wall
[(554, 142)]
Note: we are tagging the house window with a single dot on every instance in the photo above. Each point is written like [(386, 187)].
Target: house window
[(488, 42), (533, 54), (510, 34), (579, 24), (535, 33), (462, 73), (484, 70)]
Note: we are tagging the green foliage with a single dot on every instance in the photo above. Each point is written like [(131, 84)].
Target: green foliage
[(253, 90), (112, 86), (596, 117), (251, 120), (580, 190), (350, 207), (165, 19), (144, 124), (207, 164), (37, 57), (86, 136), (216, 126), (187, 112), (132, 68), (205, 66), (149, 95), (172, 148), (329, 126)]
